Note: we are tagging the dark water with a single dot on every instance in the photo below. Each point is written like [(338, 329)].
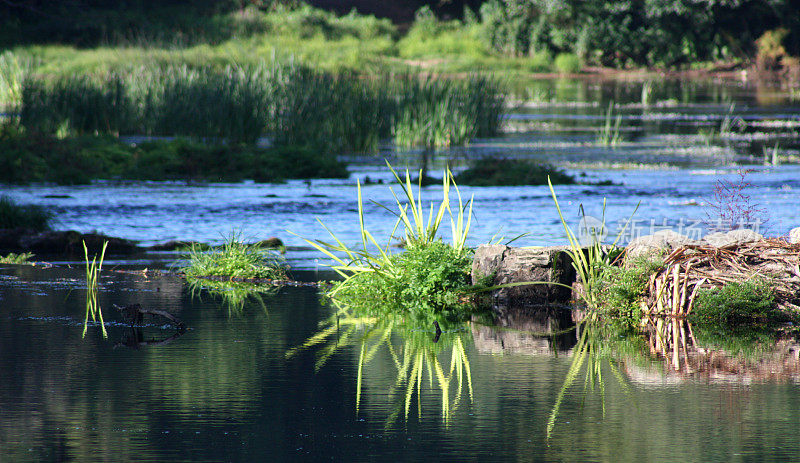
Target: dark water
[(240, 386)]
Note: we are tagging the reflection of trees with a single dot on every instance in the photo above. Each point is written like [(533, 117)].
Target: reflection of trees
[(415, 356)]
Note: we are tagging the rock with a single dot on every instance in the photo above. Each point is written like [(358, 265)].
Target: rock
[(273, 242), (660, 243), (794, 236), (739, 236), (503, 264)]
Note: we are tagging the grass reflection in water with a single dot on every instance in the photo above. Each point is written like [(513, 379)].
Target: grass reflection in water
[(418, 355)]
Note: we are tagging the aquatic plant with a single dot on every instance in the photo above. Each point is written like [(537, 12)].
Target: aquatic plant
[(438, 271), (492, 171), (17, 259), (590, 260), (235, 259), (609, 134), (13, 215), (621, 289), (93, 308)]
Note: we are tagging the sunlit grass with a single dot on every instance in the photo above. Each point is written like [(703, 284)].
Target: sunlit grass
[(17, 259), (235, 259)]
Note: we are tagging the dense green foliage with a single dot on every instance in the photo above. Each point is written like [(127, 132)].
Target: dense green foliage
[(235, 259), (734, 303), (501, 35), (13, 215), (80, 159), (633, 32), (428, 282), (17, 259), (489, 171)]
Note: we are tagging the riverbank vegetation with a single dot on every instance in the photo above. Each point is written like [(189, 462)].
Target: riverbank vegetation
[(505, 36), (492, 171)]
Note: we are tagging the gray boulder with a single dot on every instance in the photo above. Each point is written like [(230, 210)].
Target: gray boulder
[(739, 236), (660, 243), (498, 264)]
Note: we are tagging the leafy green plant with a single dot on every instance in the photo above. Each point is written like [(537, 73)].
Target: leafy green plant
[(621, 288), (589, 261), (568, 63), (13, 215), (235, 259), (93, 309)]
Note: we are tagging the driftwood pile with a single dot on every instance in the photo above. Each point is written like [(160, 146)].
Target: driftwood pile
[(672, 291)]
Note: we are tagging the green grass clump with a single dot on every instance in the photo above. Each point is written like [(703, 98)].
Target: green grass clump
[(735, 303), (490, 171), (428, 281), (236, 259), (17, 259), (14, 68), (437, 112), (13, 215)]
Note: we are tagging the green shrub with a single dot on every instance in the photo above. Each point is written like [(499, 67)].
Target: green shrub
[(568, 63), (489, 171), (735, 303), (13, 215)]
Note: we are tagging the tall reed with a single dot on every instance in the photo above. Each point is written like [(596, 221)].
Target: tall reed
[(293, 104), (93, 270)]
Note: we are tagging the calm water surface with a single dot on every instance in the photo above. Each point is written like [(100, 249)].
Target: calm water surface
[(240, 386)]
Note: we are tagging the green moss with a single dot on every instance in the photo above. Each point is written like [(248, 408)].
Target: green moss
[(426, 282), (490, 171)]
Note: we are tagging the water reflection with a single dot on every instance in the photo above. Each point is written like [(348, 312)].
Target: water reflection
[(420, 359), (232, 295)]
